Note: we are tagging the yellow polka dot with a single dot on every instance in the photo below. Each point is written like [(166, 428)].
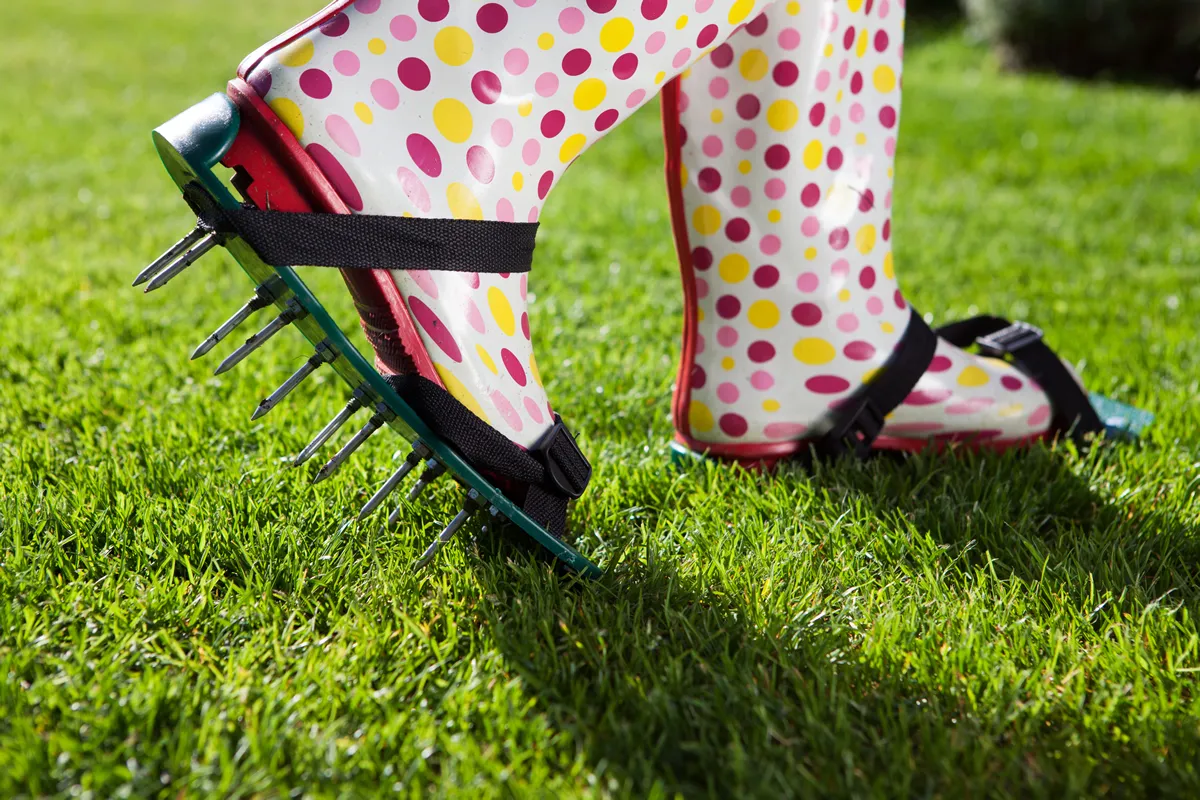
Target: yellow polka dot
[(453, 119), (683, 174), (699, 417), (793, 9), (717, 116), (727, 363), (754, 65), (460, 392), (889, 267), (546, 41), (525, 108), (1011, 410), (377, 46), (828, 50), (814, 154), (687, 73), (740, 10), (463, 204), (501, 310), (364, 113), (289, 114), (659, 77), (486, 359), (707, 220), (681, 23), (871, 375), (861, 48), (763, 314), (854, 5), (887, 327), (296, 54), (744, 167), (590, 93), (771, 405), (885, 78), (774, 215), (810, 253), (973, 376), (838, 97), (616, 34), (533, 370), (700, 314), (453, 46), (814, 351), (783, 115), (844, 295), (571, 148), (734, 268), (864, 240), (518, 181), (860, 138)]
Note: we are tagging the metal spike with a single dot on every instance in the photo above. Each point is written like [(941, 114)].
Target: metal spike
[(494, 516), (290, 314), (473, 503), (381, 418), (419, 452), (175, 251), (325, 354), (210, 241), (434, 469), (359, 400), (264, 295)]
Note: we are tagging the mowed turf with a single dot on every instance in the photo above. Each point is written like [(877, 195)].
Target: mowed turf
[(182, 614)]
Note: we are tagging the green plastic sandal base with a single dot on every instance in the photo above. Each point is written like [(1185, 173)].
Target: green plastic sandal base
[(194, 142)]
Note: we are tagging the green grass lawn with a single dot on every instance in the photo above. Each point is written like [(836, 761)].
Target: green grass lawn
[(182, 613)]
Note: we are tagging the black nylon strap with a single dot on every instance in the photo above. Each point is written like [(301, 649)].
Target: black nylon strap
[(1072, 410), (554, 470), (365, 241), (858, 421)]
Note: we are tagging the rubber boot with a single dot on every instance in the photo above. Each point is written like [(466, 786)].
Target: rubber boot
[(781, 146)]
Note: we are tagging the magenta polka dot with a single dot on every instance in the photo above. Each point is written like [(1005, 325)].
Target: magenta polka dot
[(881, 41), (601, 6), (887, 117), (702, 258), (625, 66), (698, 377), (807, 314), (728, 306), (899, 300), (867, 201), (436, 329), (336, 25), (544, 184), (827, 384), (486, 87), (607, 119), (839, 238), (859, 351), (433, 10), (385, 94), (491, 18), (414, 74), (513, 365), (737, 229), (928, 397), (708, 35), (424, 155), (1039, 416), (722, 57), (576, 62), (758, 25), (734, 425), (708, 179), (336, 174), (316, 84), (785, 73), (766, 276), (834, 158), (761, 352), (810, 195), (748, 106), (1011, 383), (777, 156), (866, 278), (366, 6), (260, 81), (653, 9), (552, 123)]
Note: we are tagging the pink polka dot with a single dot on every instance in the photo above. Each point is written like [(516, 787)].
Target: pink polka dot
[(635, 98), (775, 188), (971, 405), (840, 268), (474, 318), (789, 38), (366, 6), (1039, 416), (346, 62), (740, 197), (940, 364), (385, 94), (784, 430), (857, 113), (531, 151), (535, 413), (502, 132), (507, 411), (928, 397), (655, 42), (874, 306), (823, 79), (727, 336), (847, 323), (718, 88), (681, 58), (504, 210), (811, 226), (701, 288), (570, 20), (414, 190), (403, 28), (481, 164), (808, 282), (728, 393), (437, 330), (516, 61), (712, 146), (746, 138), (769, 245), (424, 280), (762, 380), (701, 6), (343, 135), (546, 84)]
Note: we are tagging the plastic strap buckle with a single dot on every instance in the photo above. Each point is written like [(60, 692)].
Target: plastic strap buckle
[(855, 433), (567, 468), (1008, 341)]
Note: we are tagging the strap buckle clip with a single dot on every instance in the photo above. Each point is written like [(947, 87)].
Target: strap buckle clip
[(567, 468), (855, 433), (1008, 341)]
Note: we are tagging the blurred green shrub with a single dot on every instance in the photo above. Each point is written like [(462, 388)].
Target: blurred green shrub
[(1154, 40)]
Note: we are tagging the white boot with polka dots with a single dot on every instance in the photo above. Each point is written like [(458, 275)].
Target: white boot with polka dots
[(780, 168)]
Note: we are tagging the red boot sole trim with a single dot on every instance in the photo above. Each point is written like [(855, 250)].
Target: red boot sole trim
[(760, 455), (284, 178)]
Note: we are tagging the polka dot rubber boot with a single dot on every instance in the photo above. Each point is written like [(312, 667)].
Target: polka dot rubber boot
[(470, 110), (780, 168)]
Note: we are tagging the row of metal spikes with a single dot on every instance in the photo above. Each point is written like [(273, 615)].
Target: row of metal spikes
[(188, 251)]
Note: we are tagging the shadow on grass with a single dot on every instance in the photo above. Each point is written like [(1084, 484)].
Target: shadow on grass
[(669, 686)]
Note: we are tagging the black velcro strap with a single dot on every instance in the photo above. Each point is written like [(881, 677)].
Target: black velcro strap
[(1023, 343), (365, 241), (554, 470), (858, 421)]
